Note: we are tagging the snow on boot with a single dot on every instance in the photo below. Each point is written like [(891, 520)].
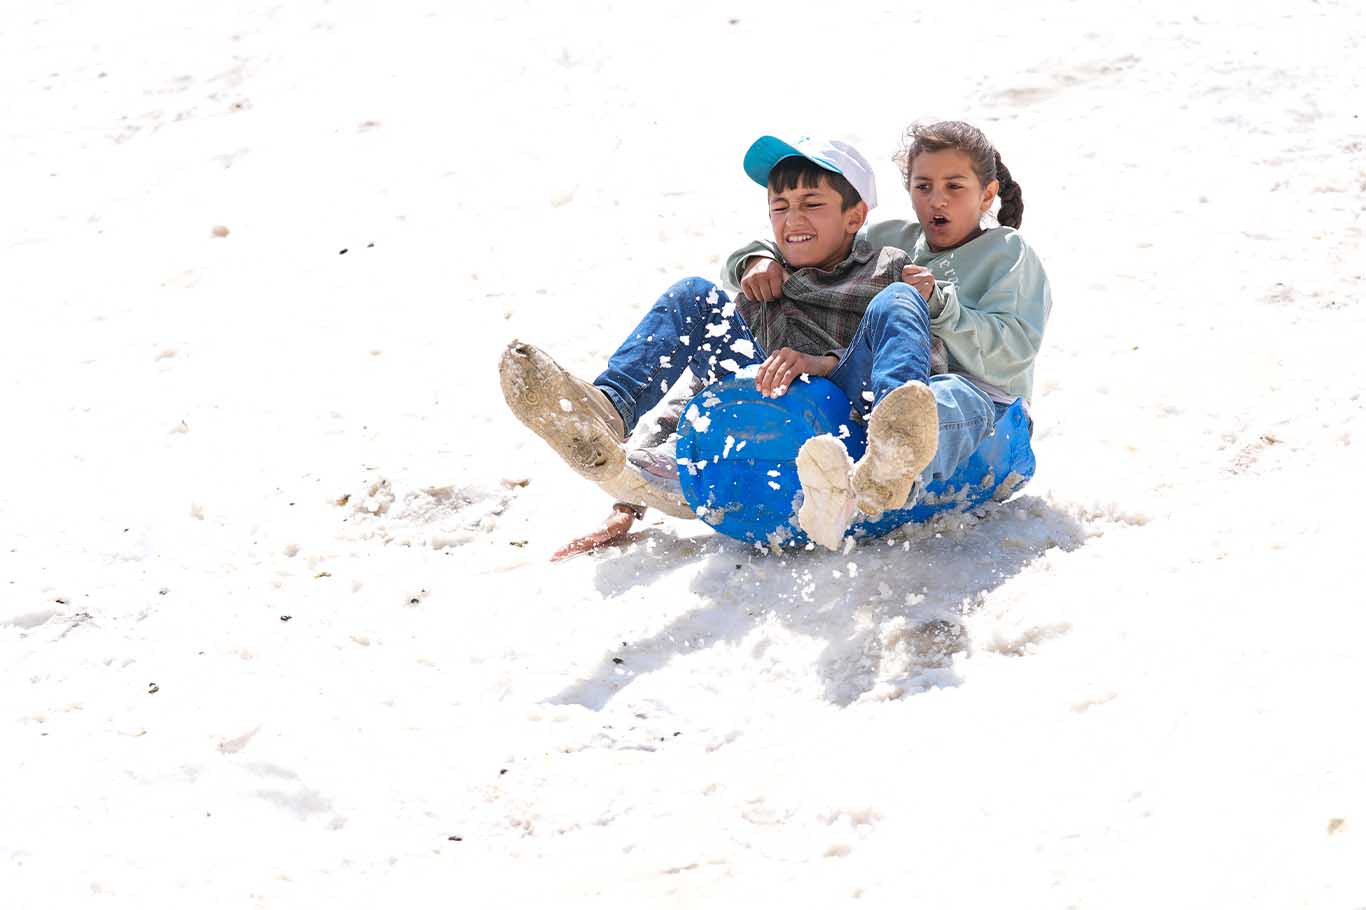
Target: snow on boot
[(903, 434), (828, 501), (577, 419)]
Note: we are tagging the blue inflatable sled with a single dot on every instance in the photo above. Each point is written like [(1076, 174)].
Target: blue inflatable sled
[(737, 460)]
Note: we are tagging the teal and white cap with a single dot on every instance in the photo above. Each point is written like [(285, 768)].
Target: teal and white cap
[(831, 154)]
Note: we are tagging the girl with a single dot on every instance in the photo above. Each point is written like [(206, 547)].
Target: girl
[(987, 293)]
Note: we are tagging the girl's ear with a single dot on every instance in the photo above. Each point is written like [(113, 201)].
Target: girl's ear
[(855, 217), (989, 196)]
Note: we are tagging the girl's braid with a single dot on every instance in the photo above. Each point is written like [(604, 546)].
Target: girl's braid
[(1012, 200)]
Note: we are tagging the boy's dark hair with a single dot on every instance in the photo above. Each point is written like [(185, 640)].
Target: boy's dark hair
[(793, 172), (986, 161)]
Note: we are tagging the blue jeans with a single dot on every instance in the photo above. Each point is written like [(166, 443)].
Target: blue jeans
[(694, 325), (966, 417)]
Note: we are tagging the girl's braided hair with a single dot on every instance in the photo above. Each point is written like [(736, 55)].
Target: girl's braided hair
[(986, 161)]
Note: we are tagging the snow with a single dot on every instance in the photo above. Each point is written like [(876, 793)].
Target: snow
[(278, 626)]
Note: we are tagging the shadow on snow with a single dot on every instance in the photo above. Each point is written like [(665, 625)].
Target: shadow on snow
[(893, 616)]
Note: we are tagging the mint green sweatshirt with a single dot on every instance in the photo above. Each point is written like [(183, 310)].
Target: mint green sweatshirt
[(990, 303)]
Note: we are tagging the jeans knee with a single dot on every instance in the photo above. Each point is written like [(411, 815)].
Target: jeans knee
[(693, 297), (895, 299), (698, 289)]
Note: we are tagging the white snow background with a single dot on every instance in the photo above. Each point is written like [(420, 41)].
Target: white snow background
[(277, 625)]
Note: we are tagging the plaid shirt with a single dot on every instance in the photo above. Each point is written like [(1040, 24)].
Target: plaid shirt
[(820, 310)]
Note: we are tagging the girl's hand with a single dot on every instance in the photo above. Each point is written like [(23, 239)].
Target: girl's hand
[(920, 278), (785, 366), (763, 280)]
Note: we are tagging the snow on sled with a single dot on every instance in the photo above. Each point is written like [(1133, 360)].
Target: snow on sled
[(737, 460)]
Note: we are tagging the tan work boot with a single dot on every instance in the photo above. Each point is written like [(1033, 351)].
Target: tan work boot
[(903, 434), (828, 501), (639, 488), (577, 419)]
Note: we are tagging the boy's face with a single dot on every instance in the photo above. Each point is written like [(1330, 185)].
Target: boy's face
[(809, 227), (948, 199)]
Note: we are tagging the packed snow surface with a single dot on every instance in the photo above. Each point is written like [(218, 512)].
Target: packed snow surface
[(277, 622)]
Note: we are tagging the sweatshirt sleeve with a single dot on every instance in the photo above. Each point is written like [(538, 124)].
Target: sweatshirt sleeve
[(897, 233), (735, 262), (997, 336)]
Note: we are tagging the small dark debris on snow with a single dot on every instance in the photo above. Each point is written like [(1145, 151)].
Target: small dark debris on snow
[(502, 771), (618, 660), (678, 733), (153, 688), (518, 543), (737, 565), (370, 245), (60, 600), (163, 591), (455, 837), (342, 251), (286, 618)]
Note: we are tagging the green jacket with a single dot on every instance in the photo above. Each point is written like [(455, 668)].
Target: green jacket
[(989, 306)]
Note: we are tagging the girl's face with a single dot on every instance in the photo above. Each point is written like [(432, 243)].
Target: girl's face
[(948, 198)]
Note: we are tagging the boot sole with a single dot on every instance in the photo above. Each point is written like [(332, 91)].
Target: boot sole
[(544, 398), (828, 501), (903, 435)]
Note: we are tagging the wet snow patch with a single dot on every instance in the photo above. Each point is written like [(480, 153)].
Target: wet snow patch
[(434, 516)]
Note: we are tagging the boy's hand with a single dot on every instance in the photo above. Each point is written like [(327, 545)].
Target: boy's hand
[(785, 366), (763, 280), (920, 278)]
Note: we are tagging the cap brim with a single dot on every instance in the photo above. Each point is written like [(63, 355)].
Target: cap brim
[(767, 151)]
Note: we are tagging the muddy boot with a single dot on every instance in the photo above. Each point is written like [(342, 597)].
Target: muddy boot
[(903, 434), (639, 487), (577, 419), (828, 501)]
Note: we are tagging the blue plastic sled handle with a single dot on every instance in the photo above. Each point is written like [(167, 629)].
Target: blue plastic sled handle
[(737, 460)]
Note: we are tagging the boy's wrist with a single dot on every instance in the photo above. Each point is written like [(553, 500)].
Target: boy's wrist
[(821, 364)]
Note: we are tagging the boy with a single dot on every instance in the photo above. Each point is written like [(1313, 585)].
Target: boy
[(841, 315)]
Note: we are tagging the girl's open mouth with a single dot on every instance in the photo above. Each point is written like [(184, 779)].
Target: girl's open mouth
[(939, 221)]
